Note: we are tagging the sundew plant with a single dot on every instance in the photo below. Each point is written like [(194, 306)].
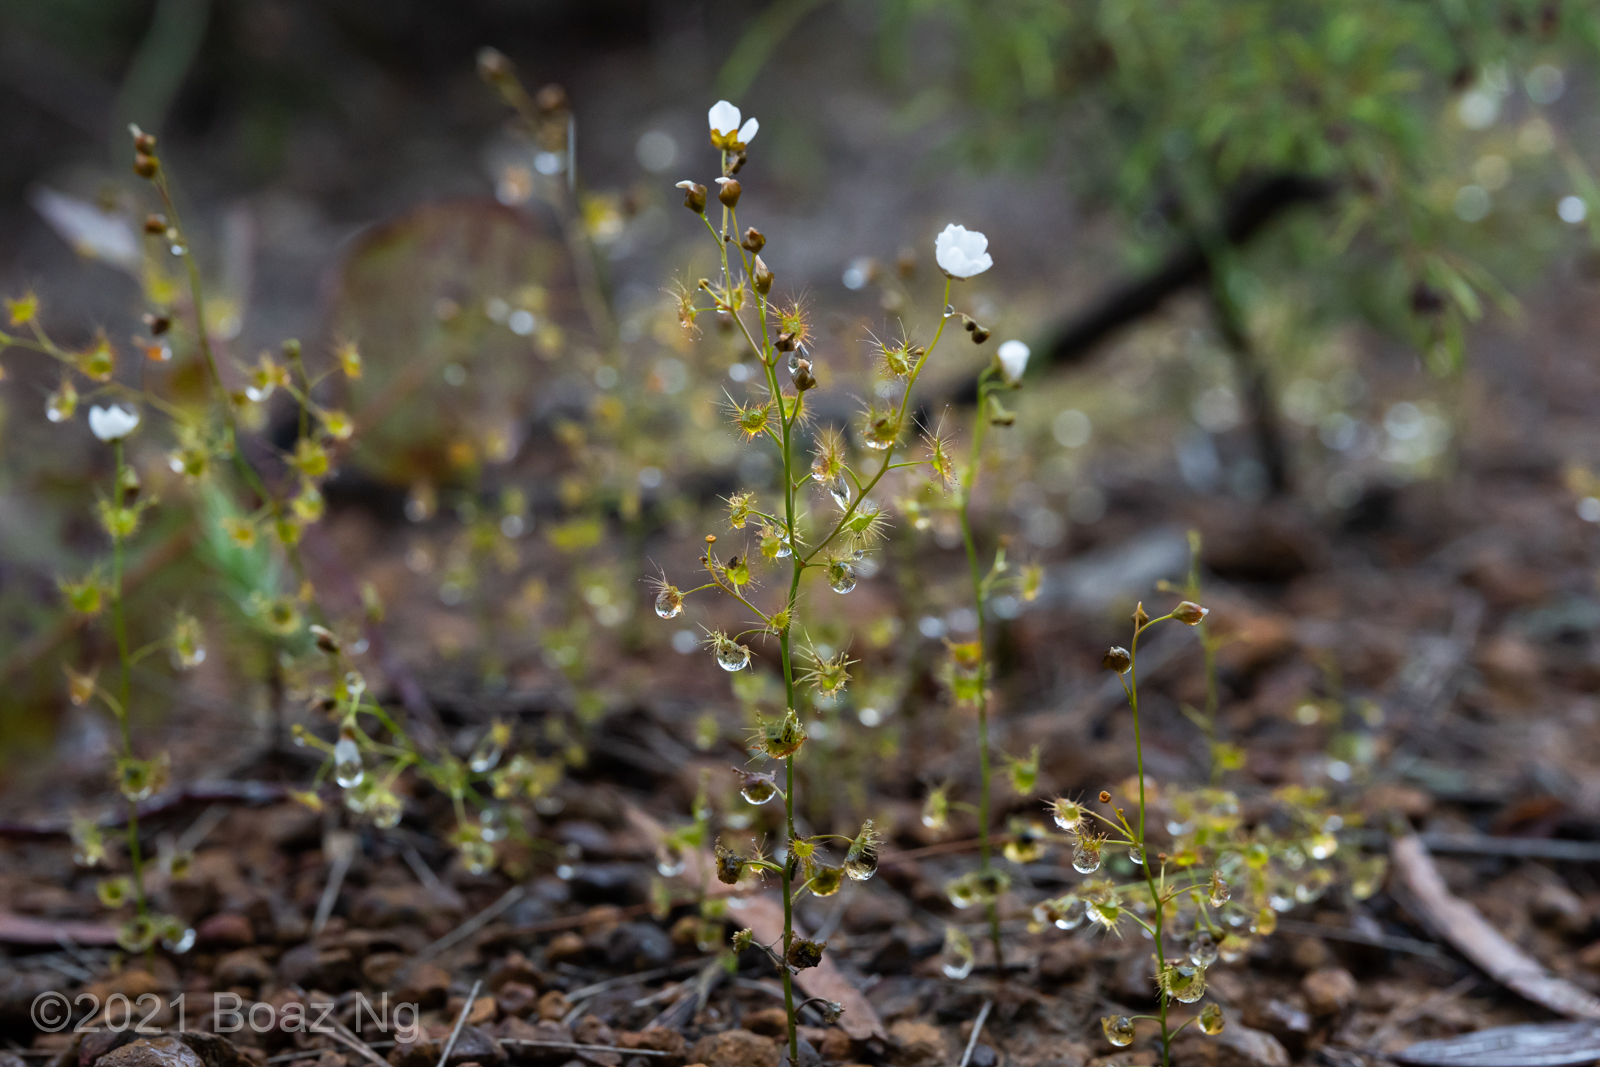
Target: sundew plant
[(249, 503), (825, 542)]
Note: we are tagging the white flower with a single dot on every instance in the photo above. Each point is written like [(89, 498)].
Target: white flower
[(725, 129), (1014, 360), (962, 252), (112, 423)]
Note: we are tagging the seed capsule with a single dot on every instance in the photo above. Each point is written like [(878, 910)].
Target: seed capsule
[(1116, 659)]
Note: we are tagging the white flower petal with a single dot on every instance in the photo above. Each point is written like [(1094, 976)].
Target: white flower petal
[(1013, 359), (112, 423), (747, 132), (724, 117), (960, 252)]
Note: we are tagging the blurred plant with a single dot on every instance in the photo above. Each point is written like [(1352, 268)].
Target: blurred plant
[(968, 669), (1222, 756)]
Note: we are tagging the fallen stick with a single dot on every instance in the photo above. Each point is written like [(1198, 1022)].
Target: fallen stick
[(575, 1047), (977, 1028), (1464, 927), (474, 924), (461, 1020)]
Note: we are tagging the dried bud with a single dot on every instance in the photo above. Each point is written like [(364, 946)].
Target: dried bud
[(155, 225), (325, 639), (494, 67), (157, 324), (1140, 616), (1116, 659), (144, 166), (1105, 797), (968, 323), (739, 160), (803, 377), (694, 196), (763, 277), (754, 240), (1190, 613), (728, 191), (143, 143), (786, 342), (980, 335), (803, 954)]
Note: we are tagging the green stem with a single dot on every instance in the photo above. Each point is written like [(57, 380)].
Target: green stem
[(992, 908), (789, 864), (125, 680), (1144, 851)]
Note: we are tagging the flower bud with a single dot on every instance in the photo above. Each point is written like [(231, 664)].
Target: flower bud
[(786, 342), (155, 225), (754, 240), (980, 335), (763, 277), (1140, 616), (493, 66), (550, 99), (694, 196), (1190, 613), (1116, 659), (326, 641), (144, 166), (728, 191), (803, 377), (144, 143)]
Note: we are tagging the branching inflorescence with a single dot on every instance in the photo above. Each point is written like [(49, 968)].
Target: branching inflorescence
[(829, 542)]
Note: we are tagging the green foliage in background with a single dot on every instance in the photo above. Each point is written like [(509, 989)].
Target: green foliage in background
[(1438, 127)]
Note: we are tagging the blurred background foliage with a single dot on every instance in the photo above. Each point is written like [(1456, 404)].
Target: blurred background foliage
[(1281, 217)]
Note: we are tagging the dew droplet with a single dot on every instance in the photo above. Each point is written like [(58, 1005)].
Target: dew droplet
[(1118, 1030), (840, 492), (1203, 950), (1136, 854), (669, 603), (1086, 857), (1187, 983), (1070, 914), (959, 958), (486, 754), (732, 656), (841, 576), (347, 769)]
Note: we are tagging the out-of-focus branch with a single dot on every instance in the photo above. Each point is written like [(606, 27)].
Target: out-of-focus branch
[(1256, 205)]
